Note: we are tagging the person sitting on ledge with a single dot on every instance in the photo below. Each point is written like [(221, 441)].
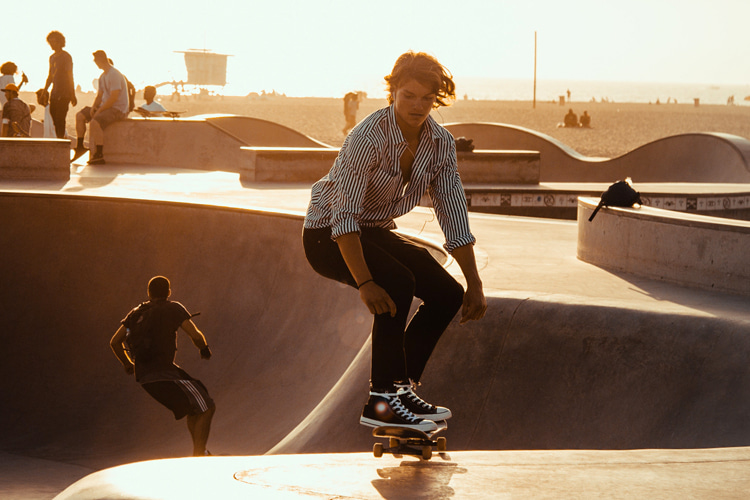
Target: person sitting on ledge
[(16, 114), (111, 105), (151, 108)]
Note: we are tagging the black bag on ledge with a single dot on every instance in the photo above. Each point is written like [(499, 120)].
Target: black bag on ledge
[(619, 194)]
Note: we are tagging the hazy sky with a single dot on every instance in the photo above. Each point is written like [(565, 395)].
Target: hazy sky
[(308, 47)]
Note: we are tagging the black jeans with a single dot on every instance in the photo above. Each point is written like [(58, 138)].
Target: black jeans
[(405, 270), (58, 109)]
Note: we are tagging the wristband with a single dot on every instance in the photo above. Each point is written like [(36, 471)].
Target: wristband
[(364, 283)]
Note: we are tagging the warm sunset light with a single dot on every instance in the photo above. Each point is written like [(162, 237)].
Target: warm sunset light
[(328, 48)]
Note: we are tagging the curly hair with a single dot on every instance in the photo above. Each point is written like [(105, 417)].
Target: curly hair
[(9, 68), (56, 35), (425, 69)]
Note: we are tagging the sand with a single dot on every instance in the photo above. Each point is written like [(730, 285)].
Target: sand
[(616, 127)]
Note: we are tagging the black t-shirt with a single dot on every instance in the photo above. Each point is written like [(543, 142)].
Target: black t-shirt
[(160, 363)]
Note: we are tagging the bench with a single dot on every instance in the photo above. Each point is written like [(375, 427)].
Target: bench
[(34, 159), (310, 164), (688, 249)]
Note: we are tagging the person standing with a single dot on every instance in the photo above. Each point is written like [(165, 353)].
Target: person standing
[(60, 76), (145, 344), (387, 162)]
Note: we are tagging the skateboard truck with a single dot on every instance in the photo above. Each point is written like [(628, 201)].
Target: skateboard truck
[(405, 441)]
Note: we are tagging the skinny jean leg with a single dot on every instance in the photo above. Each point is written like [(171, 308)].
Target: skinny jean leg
[(404, 270)]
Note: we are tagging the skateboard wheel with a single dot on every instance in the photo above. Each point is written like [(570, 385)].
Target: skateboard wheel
[(377, 450), (393, 443), (427, 452), (442, 444)]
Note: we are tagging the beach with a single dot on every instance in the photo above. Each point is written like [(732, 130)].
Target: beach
[(616, 128)]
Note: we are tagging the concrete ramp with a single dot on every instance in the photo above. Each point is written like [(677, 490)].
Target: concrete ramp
[(72, 268), (543, 370), (554, 373), (257, 132), (206, 142), (700, 157)]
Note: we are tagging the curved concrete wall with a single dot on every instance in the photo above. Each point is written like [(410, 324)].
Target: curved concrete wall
[(208, 142), (693, 250), (709, 157), (291, 357)]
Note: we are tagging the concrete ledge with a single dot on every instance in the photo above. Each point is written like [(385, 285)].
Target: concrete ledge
[(287, 164), (692, 250), (179, 143), (487, 166), (308, 164), (34, 159), (694, 157)]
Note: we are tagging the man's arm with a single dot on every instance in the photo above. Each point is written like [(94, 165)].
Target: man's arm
[(111, 100), (116, 343), (475, 303), (199, 340)]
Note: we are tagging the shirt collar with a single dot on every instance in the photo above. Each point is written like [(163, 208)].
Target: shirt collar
[(396, 137)]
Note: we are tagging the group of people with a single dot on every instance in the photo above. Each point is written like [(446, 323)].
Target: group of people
[(571, 120), (17, 114), (112, 102), (387, 163)]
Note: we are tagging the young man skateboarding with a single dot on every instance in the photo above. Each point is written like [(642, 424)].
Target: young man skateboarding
[(145, 344), (387, 163)]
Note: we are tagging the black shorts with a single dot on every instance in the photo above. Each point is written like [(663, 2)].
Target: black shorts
[(182, 397)]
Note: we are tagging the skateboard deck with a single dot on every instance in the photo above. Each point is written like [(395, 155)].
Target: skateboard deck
[(405, 441)]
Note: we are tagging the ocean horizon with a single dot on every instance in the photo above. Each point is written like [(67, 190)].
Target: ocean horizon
[(599, 91), (507, 89)]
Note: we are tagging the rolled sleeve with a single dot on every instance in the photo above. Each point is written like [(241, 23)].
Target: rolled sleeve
[(449, 200)]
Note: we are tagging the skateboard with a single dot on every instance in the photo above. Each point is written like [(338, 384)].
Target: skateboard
[(405, 441), (151, 114)]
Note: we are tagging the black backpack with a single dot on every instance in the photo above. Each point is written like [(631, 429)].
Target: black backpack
[(140, 337), (619, 194)]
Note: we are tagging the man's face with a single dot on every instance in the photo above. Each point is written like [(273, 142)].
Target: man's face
[(100, 61), (413, 103)]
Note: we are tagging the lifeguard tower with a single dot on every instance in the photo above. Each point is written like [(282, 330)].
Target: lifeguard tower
[(205, 68)]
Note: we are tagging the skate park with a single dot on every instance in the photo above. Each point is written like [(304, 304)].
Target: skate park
[(595, 373)]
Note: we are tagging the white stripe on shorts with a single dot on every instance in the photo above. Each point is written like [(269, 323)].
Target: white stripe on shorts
[(192, 390)]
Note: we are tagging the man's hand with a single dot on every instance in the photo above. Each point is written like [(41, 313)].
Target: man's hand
[(474, 305), (377, 299)]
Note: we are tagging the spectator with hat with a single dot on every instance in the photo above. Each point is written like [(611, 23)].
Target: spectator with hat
[(16, 114)]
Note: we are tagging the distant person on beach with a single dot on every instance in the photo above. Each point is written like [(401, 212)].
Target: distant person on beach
[(8, 71), (16, 114), (110, 105), (351, 105), (145, 344), (586, 120), (571, 119), (386, 164), (60, 76), (151, 108)]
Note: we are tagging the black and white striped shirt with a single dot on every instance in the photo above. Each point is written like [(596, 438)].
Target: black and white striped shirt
[(365, 186)]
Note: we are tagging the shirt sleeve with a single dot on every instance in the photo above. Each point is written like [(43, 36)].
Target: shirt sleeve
[(449, 201), (350, 176)]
